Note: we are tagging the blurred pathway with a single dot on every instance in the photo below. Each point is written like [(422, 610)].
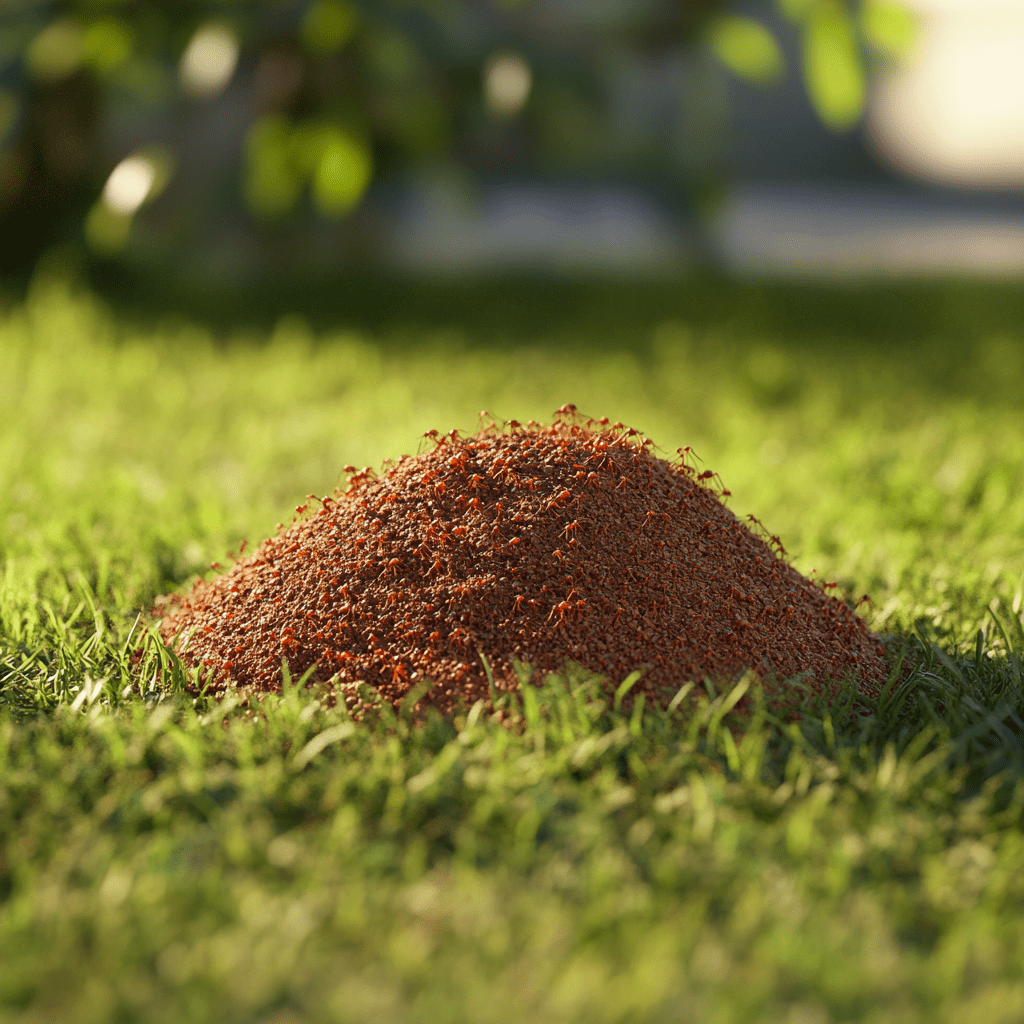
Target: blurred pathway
[(819, 231), (769, 230)]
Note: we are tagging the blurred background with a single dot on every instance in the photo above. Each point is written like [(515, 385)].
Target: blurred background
[(226, 142)]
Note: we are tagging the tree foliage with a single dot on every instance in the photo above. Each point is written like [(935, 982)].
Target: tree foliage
[(328, 98)]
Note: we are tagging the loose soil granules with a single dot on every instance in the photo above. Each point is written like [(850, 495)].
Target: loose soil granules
[(542, 544)]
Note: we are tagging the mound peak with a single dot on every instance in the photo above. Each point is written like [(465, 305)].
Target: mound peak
[(534, 543)]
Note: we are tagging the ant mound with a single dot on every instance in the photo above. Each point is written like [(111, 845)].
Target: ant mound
[(536, 544)]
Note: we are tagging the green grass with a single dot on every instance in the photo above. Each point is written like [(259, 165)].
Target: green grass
[(165, 860)]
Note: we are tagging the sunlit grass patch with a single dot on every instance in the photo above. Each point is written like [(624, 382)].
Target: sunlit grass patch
[(567, 861), (166, 858)]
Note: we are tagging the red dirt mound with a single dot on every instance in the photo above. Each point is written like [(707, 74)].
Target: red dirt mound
[(542, 544)]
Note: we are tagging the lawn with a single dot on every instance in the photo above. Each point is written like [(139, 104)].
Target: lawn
[(163, 859)]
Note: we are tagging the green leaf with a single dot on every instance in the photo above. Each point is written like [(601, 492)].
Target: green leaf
[(272, 182), (889, 26), (341, 175), (57, 51), (797, 9), (106, 231), (106, 45), (328, 25), (748, 49), (832, 67)]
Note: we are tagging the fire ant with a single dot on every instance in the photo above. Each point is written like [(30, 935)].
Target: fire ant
[(647, 520), (686, 455), (562, 607)]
